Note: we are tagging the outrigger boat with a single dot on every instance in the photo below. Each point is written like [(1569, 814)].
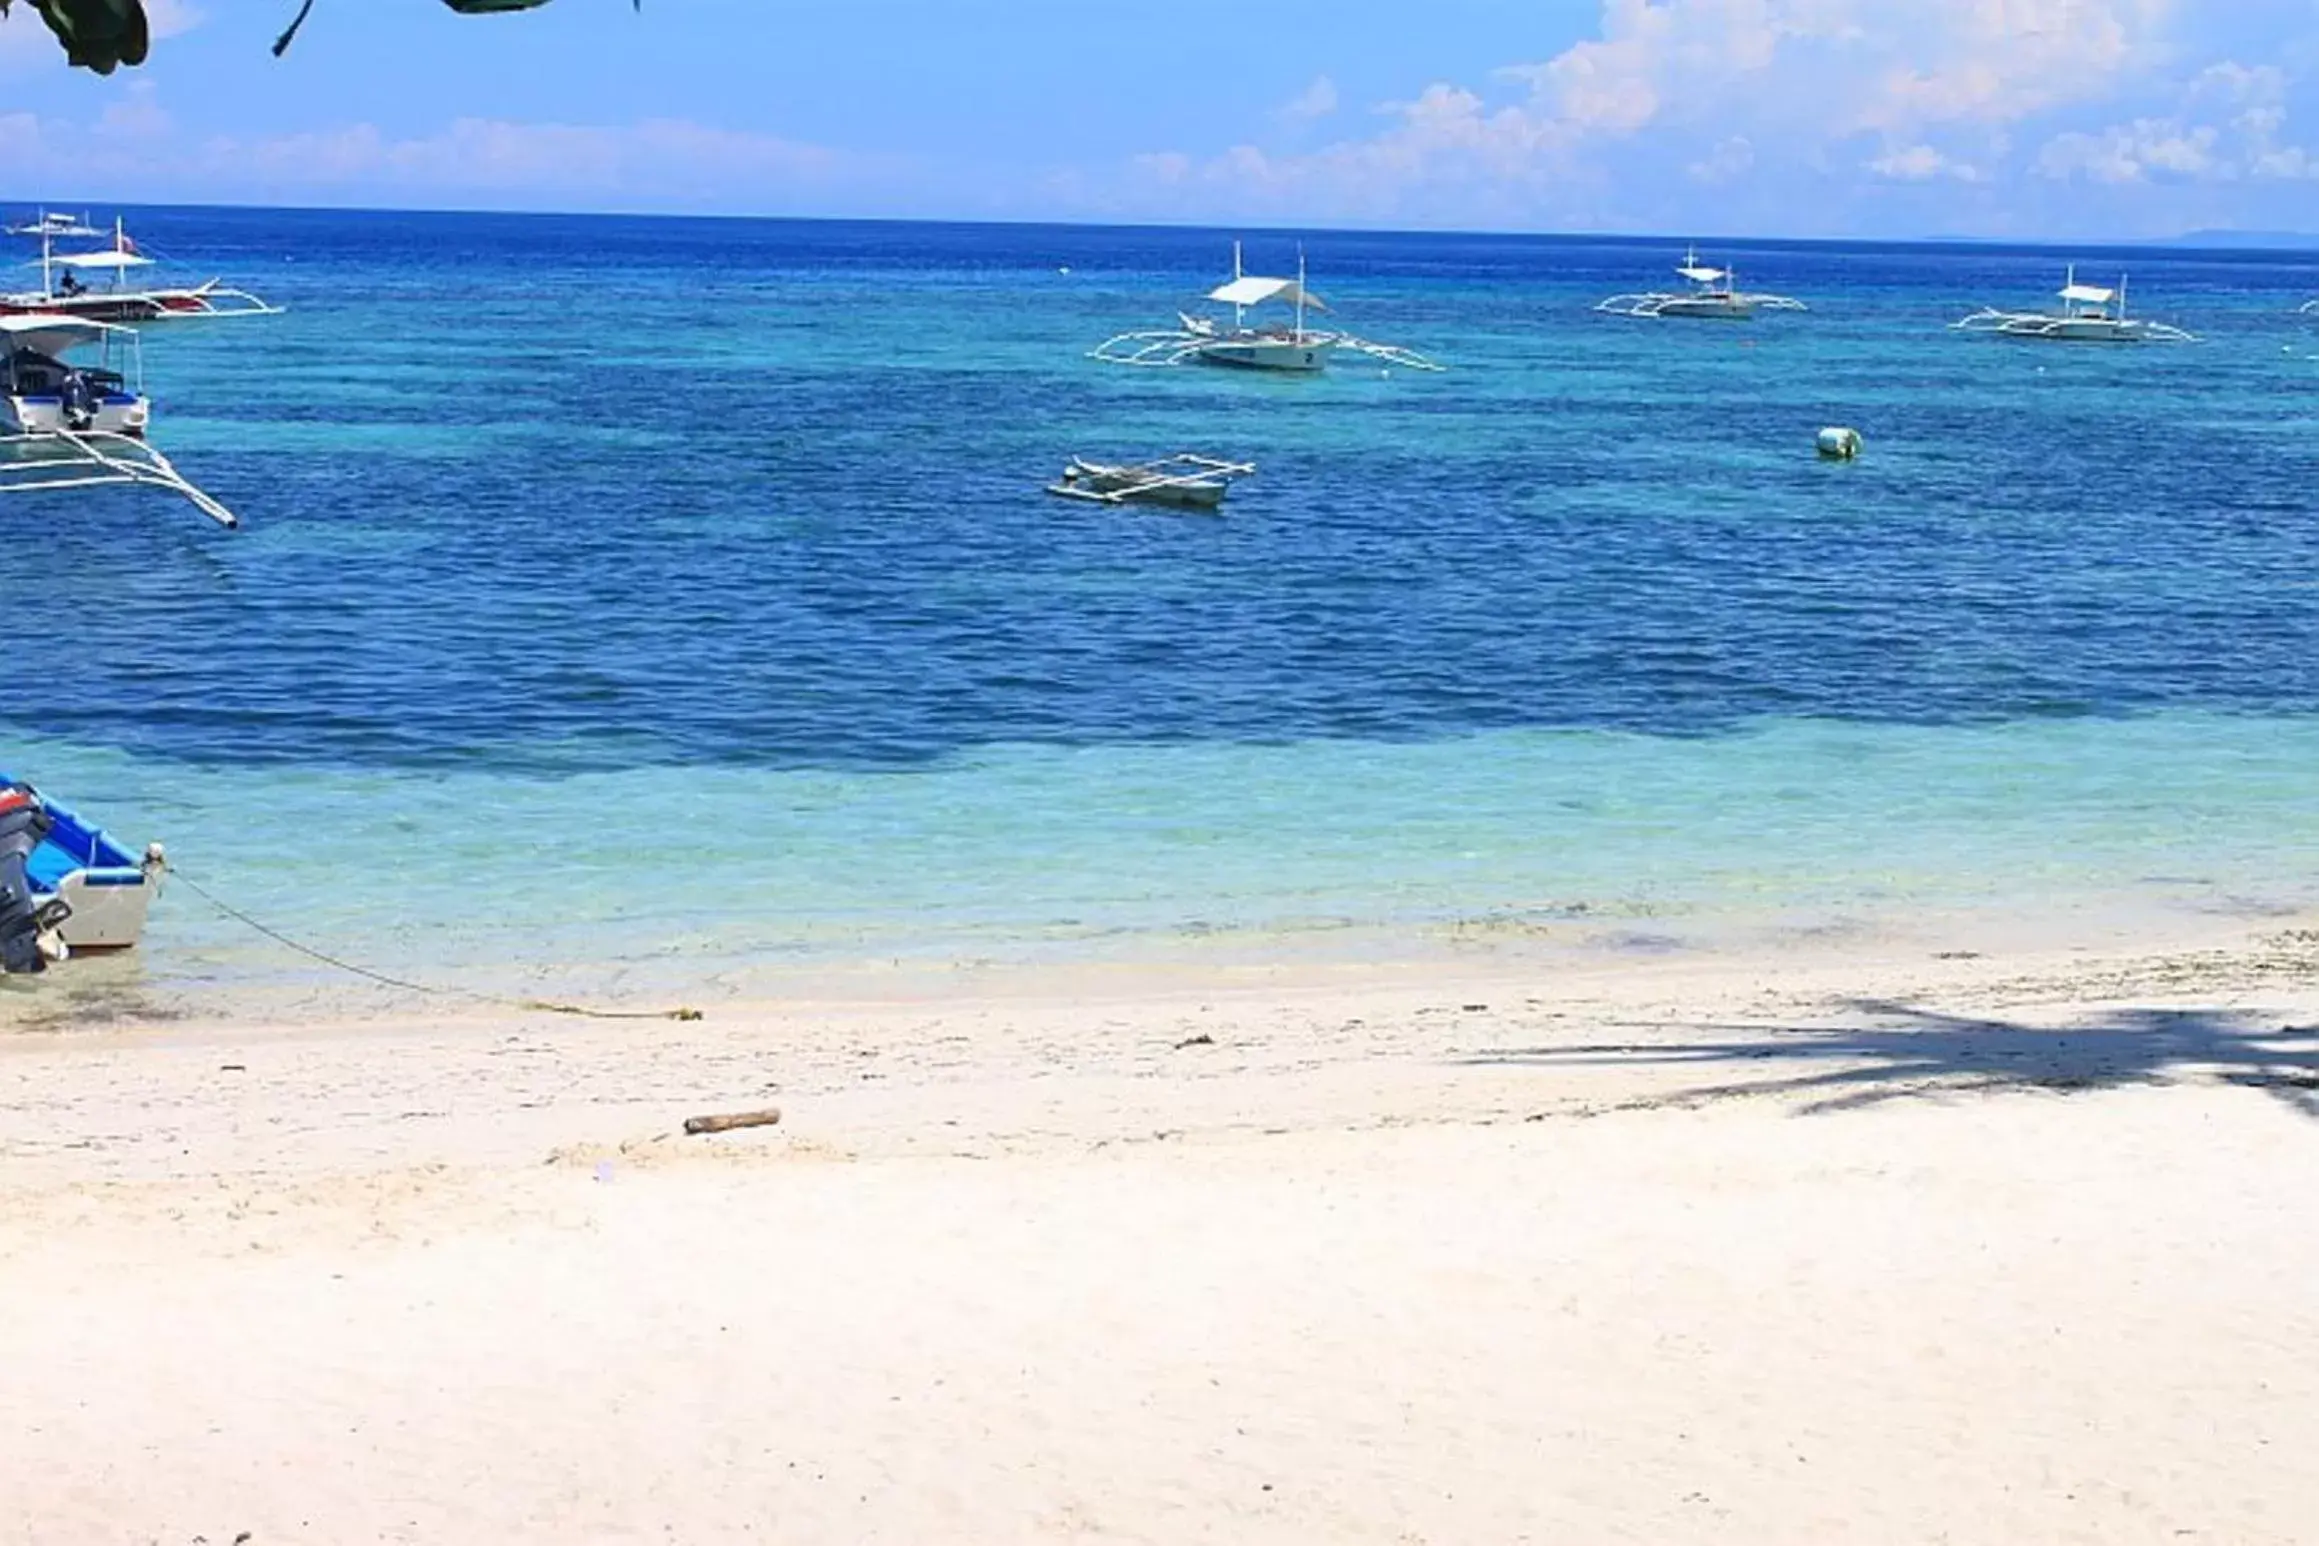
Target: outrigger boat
[(50, 224), (2090, 314), (65, 885), (66, 426), (63, 292), (1294, 348), (1185, 481), (1714, 296)]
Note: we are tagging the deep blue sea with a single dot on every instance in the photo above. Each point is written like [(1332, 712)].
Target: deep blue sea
[(662, 602)]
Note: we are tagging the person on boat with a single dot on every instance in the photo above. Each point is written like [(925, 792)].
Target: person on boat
[(70, 284)]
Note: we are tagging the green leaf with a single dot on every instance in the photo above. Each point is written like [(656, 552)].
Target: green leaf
[(99, 35)]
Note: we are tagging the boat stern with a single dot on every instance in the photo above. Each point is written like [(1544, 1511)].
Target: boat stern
[(108, 889)]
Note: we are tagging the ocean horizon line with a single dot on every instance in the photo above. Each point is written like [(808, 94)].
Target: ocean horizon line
[(2218, 240)]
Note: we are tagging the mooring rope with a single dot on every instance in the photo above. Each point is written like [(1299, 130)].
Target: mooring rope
[(542, 1006)]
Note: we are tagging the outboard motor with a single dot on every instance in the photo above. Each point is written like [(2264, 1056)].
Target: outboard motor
[(24, 821), (79, 400)]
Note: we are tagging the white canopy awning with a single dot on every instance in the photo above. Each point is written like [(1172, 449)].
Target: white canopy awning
[(51, 334), (100, 260), (2092, 295), (1700, 275), (1251, 290)]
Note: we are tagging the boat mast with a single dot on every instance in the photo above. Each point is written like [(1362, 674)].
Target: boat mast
[(1300, 292), (1239, 312)]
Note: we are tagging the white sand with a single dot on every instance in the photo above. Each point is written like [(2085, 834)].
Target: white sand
[(1373, 1266)]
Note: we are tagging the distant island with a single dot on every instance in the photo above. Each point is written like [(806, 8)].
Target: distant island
[(2273, 240)]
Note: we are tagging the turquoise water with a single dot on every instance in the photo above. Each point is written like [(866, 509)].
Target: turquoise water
[(642, 604)]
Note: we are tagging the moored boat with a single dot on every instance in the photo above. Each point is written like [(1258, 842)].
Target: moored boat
[(1288, 348), (1185, 481), (1714, 296), (2089, 314), (67, 425), (65, 292), (65, 884)]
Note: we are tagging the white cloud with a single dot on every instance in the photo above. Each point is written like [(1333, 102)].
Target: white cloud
[(1719, 94), (2228, 127), (1315, 102), (1922, 163), (1731, 158), (1999, 61), (134, 148), (171, 18)]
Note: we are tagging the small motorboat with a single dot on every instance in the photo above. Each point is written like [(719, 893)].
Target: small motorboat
[(1183, 481), (65, 885)]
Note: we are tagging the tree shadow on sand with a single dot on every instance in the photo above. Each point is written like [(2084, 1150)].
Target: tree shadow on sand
[(1910, 1053)]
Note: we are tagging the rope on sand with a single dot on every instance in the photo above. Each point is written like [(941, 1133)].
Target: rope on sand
[(536, 1005)]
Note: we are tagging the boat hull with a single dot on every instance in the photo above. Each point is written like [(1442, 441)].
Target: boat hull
[(135, 305), (109, 890), (2078, 333), (1704, 309), (1287, 354), (115, 413)]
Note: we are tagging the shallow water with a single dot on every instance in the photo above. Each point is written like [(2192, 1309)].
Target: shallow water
[(673, 599)]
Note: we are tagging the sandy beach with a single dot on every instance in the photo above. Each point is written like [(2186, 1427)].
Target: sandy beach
[(1844, 1246)]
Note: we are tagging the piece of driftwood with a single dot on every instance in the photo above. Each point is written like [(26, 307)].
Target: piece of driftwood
[(725, 1123)]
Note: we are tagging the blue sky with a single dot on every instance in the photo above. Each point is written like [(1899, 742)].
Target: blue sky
[(2021, 118)]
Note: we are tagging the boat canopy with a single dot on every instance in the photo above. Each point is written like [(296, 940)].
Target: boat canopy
[(52, 334), (114, 259), (1698, 274), (1251, 290), (2092, 295)]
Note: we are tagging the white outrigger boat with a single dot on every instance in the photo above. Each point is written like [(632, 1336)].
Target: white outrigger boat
[(2089, 314), (1185, 481), (63, 292), (1294, 348), (1714, 296), (68, 426), (51, 224)]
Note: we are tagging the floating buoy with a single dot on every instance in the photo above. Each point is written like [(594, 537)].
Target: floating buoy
[(1838, 444)]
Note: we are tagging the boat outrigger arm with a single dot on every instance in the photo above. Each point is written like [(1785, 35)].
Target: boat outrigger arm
[(1192, 342), (69, 459)]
